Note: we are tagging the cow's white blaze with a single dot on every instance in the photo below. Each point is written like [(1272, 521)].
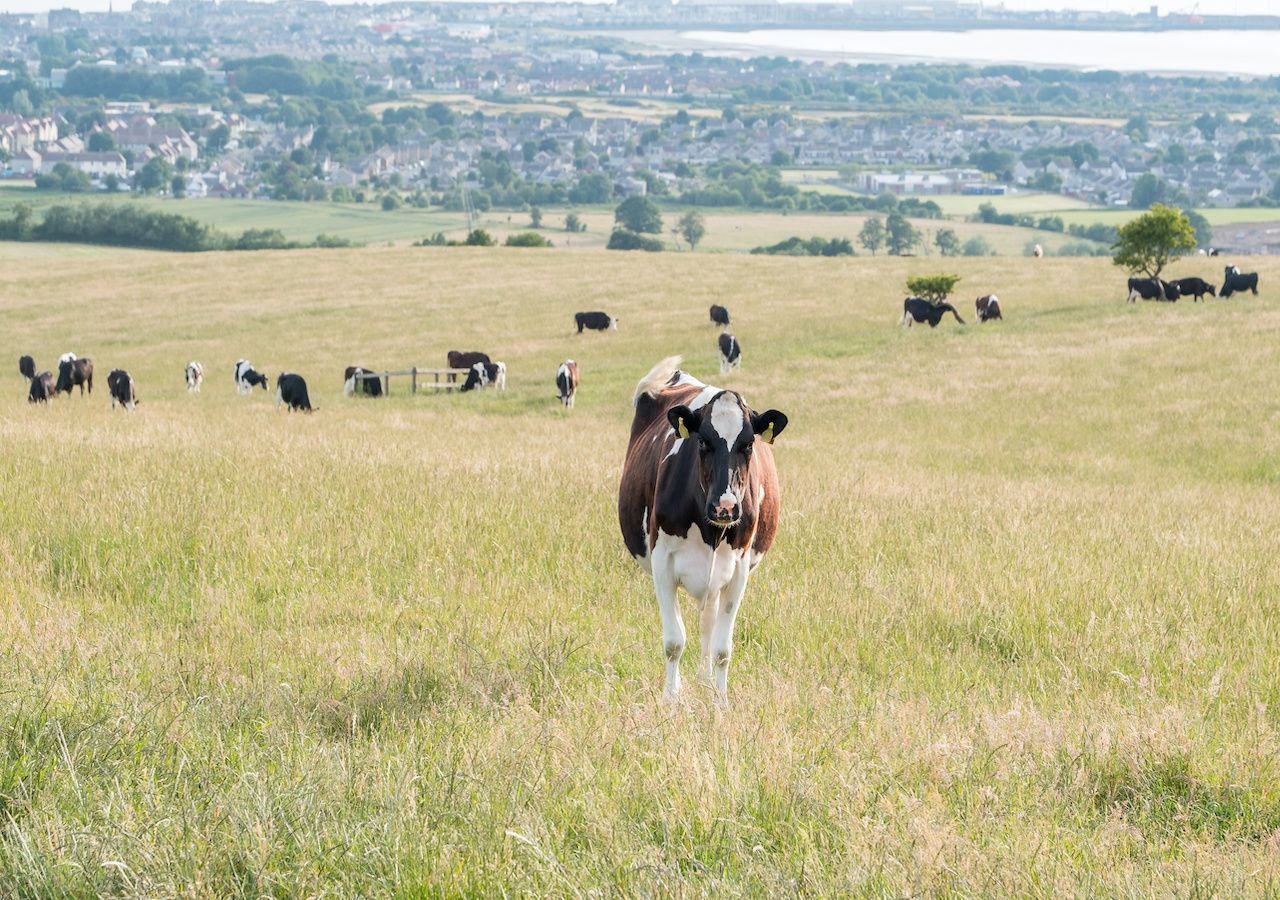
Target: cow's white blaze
[(727, 419)]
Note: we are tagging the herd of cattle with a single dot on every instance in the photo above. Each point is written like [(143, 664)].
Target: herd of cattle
[(917, 309), (1233, 282), (291, 388)]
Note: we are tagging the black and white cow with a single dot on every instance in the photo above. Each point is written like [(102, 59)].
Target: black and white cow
[(567, 382), (1233, 281), (26, 367), (730, 352), (41, 390), (988, 308), (353, 383), (915, 309), (596, 321), (195, 377), (486, 375), (291, 391), (1152, 289), (122, 389), (719, 315), (1194, 287), (73, 372), (698, 506), (247, 377)]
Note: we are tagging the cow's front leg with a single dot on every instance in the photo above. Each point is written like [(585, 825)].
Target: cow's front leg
[(722, 636), (673, 633), (709, 607)]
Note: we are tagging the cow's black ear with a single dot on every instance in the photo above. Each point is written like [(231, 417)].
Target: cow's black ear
[(684, 420), (768, 424)]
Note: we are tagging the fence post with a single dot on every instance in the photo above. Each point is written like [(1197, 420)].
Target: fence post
[(414, 375)]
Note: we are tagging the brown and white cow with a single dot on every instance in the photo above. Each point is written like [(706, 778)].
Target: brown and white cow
[(988, 308), (698, 506), (567, 382)]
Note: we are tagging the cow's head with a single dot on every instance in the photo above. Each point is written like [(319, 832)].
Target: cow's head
[(725, 432)]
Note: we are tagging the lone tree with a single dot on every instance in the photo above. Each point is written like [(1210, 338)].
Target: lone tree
[(901, 235), (934, 288), (693, 228), (947, 241), (639, 214), (872, 234), (535, 217), (1150, 242)]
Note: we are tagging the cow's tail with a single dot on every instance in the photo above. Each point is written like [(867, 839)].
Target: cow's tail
[(954, 313), (658, 378)]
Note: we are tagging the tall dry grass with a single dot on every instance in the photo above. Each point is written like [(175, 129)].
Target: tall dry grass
[(1017, 635)]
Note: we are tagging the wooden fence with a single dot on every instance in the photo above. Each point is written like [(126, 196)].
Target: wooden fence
[(419, 379)]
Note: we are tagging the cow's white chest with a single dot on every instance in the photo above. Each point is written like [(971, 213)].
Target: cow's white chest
[(702, 570)]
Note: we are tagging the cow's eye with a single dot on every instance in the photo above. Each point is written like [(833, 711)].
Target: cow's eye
[(746, 449), (704, 446)]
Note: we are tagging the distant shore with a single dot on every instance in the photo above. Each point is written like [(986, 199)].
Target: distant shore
[(1157, 53)]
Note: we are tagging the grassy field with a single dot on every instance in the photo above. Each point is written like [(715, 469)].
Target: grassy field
[(727, 230), (1017, 636)]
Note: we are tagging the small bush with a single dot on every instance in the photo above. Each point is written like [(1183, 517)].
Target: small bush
[(814, 246), (621, 239), (527, 239)]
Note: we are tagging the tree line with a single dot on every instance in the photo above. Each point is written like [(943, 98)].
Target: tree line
[(130, 225)]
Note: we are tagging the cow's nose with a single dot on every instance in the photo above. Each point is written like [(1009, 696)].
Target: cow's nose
[(726, 508)]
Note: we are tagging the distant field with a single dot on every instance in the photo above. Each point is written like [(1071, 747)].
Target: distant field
[(730, 230), (642, 107), (727, 230), (1017, 636), (1215, 215)]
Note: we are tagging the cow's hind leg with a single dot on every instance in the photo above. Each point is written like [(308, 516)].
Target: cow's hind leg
[(673, 633), (722, 636)]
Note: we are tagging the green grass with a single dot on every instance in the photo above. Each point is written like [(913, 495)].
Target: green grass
[(1017, 636)]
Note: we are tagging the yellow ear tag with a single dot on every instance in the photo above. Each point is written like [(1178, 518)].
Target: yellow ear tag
[(683, 430), (767, 436)]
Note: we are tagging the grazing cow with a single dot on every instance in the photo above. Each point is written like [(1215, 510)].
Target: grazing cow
[(26, 367), (698, 505), (195, 377), (988, 308), (719, 315), (1213, 251), (1037, 251), (486, 374), (596, 321), (41, 388), (1152, 289), (247, 378), (291, 390), (567, 382), (914, 309), (353, 384), (1194, 287), (730, 352), (465, 360), (72, 372), (1234, 281), (122, 389)]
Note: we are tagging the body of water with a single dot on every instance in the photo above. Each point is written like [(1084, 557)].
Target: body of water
[(1251, 53)]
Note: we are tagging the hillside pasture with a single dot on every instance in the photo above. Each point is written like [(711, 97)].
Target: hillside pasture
[(728, 230), (1017, 636)]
